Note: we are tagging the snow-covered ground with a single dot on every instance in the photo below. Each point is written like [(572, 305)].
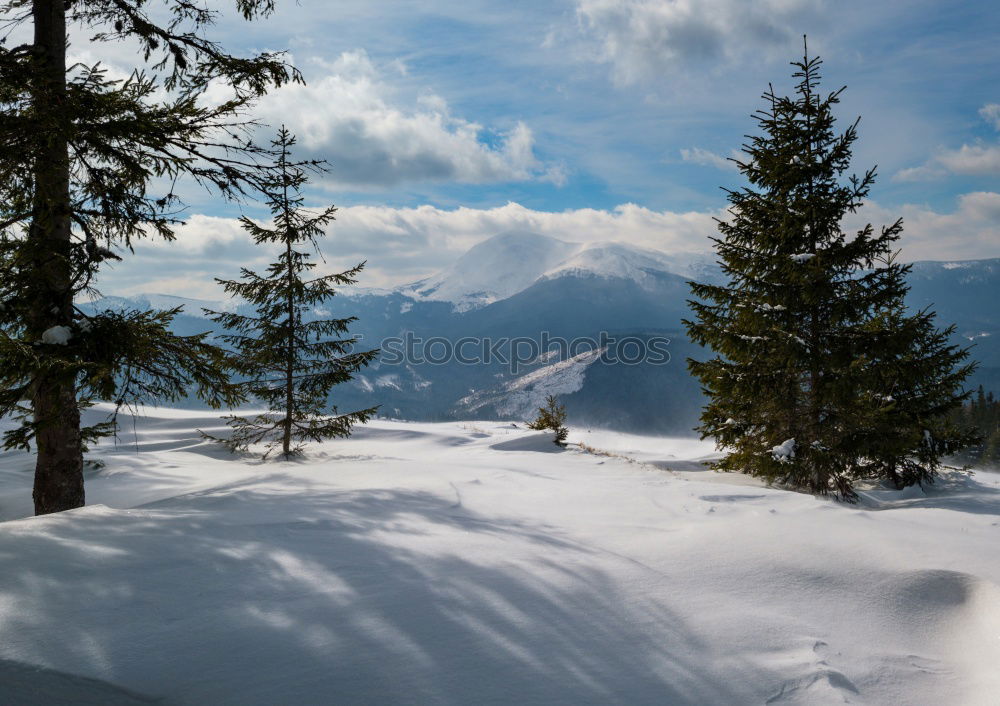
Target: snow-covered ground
[(476, 563)]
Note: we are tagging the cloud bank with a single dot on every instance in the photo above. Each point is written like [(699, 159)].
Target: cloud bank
[(402, 245), (978, 159)]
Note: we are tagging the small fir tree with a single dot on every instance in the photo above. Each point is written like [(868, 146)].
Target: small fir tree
[(290, 364), (551, 417), (820, 377)]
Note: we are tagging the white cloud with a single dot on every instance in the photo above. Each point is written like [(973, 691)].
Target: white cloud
[(706, 158), (201, 234), (967, 233), (646, 38), (972, 159), (968, 160), (991, 114), (354, 117), (979, 159), (924, 172)]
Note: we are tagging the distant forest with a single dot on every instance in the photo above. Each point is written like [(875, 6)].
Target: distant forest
[(982, 411)]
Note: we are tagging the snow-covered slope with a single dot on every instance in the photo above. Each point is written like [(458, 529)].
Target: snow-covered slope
[(521, 397), (478, 564)]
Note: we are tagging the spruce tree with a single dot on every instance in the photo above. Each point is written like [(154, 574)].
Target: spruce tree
[(290, 364), (552, 417), (88, 165), (815, 353)]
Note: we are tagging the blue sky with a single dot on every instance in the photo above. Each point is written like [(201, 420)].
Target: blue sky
[(446, 122)]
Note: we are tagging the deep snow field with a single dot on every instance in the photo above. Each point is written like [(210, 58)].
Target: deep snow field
[(476, 563)]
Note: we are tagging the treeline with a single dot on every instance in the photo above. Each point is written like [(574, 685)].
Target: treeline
[(982, 413)]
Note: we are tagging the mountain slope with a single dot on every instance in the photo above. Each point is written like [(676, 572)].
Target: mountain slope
[(509, 292)]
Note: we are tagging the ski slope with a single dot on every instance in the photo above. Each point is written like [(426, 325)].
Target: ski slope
[(476, 563)]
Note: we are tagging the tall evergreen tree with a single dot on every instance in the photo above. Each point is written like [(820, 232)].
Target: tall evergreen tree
[(290, 364), (88, 164), (820, 376)]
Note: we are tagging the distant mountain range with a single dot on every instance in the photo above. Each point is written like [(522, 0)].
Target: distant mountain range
[(511, 288)]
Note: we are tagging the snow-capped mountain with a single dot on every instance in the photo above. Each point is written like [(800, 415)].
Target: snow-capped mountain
[(492, 270), (624, 261), (192, 307), (510, 263)]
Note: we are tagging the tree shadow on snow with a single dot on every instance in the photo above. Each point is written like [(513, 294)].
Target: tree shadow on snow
[(254, 593), (976, 493), (540, 443)]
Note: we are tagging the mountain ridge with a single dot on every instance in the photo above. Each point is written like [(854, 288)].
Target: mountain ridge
[(512, 262)]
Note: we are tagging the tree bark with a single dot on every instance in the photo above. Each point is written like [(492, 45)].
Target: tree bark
[(286, 442), (59, 464)]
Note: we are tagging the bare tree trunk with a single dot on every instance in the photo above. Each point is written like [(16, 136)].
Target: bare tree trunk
[(290, 360), (286, 441), (59, 465)]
